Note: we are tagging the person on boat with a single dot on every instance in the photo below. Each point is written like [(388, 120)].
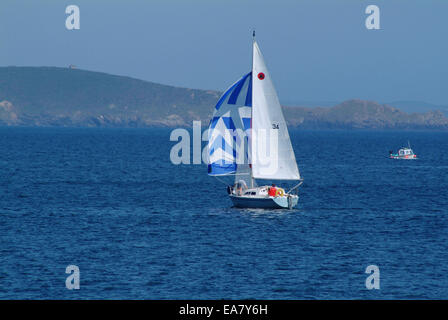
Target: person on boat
[(240, 186), (272, 191)]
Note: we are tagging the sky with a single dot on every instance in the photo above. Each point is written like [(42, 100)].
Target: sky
[(316, 50)]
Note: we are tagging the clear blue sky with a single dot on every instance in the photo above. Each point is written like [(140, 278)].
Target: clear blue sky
[(316, 50)]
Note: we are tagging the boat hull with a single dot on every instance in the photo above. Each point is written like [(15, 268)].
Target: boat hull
[(264, 203), (407, 157)]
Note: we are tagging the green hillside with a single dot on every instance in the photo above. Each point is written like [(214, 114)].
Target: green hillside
[(40, 95), (50, 96)]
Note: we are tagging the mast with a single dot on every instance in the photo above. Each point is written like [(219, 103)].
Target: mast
[(251, 110)]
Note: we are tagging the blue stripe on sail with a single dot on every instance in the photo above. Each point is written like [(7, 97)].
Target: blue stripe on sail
[(224, 96), (228, 122), (221, 143), (223, 147), (248, 102), (216, 170), (223, 160), (237, 90), (246, 123), (213, 122)]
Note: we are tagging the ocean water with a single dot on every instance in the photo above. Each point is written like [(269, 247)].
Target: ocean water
[(138, 227)]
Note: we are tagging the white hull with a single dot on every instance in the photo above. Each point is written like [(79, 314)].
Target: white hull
[(413, 157), (284, 202)]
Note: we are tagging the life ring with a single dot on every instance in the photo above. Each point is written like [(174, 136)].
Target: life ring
[(280, 192)]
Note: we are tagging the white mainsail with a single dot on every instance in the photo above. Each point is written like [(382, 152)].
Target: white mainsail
[(271, 150)]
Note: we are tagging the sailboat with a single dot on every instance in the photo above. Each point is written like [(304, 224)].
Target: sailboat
[(248, 138)]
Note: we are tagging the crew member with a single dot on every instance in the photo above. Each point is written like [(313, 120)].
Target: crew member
[(272, 191)]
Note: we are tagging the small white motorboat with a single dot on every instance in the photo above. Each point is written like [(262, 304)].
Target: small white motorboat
[(405, 153)]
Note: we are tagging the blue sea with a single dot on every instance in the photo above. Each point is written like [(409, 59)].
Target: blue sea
[(139, 227)]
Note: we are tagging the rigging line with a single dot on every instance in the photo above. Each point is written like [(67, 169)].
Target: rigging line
[(296, 186), (222, 181)]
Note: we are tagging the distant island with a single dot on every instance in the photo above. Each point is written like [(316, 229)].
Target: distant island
[(69, 97)]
